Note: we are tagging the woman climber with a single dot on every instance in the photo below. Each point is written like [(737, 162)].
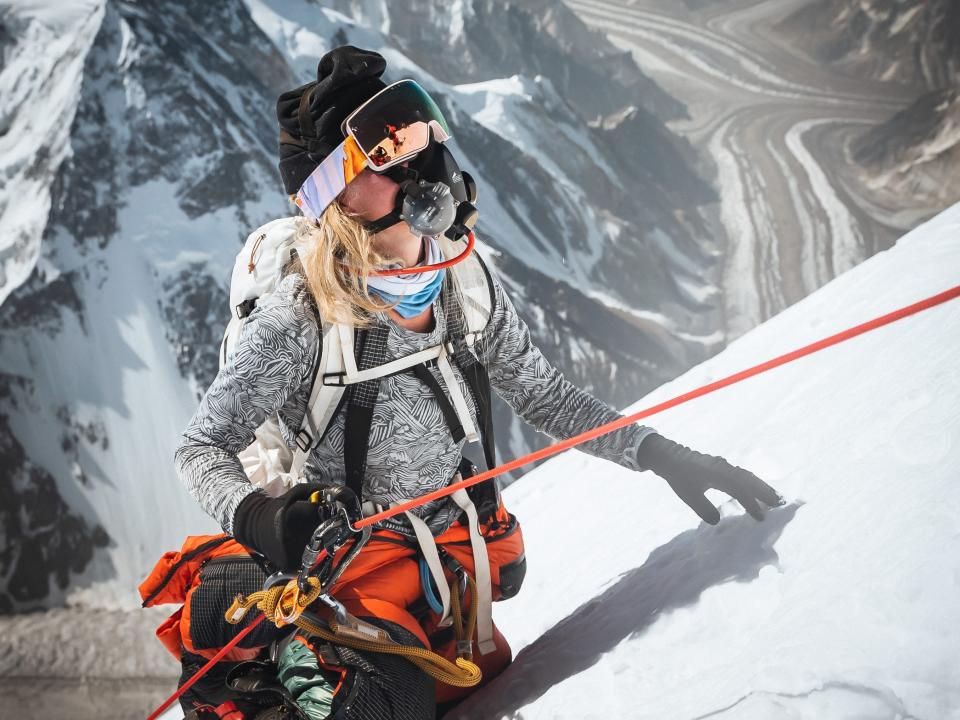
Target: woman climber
[(392, 428)]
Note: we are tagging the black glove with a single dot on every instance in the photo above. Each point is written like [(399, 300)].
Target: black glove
[(690, 474), (278, 528)]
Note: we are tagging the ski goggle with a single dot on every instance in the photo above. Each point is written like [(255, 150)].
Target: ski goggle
[(329, 179), (389, 128), (396, 124)]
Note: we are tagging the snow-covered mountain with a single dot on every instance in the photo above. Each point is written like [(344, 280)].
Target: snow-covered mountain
[(841, 604), (913, 43), (916, 153), (139, 150)]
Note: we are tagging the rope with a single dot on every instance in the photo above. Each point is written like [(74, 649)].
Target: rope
[(284, 605), (596, 432), (281, 604)]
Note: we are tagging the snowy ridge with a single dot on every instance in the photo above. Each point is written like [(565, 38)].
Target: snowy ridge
[(841, 604), (40, 84)]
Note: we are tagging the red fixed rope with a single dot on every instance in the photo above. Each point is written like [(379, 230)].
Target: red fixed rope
[(203, 671), (686, 397)]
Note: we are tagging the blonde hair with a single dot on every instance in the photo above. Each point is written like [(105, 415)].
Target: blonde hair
[(340, 258)]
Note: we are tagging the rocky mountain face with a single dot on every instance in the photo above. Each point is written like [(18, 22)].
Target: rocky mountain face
[(160, 160), (915, 43), (917, 152), (489, 38)]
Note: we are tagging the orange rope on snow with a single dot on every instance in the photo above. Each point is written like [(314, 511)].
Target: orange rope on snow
[(673, 402)]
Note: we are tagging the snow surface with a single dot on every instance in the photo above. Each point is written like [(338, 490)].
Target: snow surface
[(842, 604), (39, 92)]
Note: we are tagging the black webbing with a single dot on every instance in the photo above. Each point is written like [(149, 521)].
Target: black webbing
[(479, 382), (474, 373), (370, 350), (446, 407)]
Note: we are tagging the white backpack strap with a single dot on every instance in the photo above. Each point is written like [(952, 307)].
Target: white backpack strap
[(459, 402), (348, 356), (428, 547), (481, 573), (346, 377), (473, 287), (324, 399), (230, 335)]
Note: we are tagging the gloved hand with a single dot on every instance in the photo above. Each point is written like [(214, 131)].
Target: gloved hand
[(278, 528), (690, 474)]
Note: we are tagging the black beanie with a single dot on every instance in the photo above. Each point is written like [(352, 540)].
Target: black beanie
[(346, 77)]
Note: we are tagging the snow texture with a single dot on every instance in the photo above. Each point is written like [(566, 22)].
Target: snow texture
[(842, 604), (39, 92)]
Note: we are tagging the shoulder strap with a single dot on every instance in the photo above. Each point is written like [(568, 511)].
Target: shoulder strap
[(349, 371), (371, 351), (460, 337), (325, 400)]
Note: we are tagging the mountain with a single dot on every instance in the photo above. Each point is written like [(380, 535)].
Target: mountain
[(842, 603), (140, 146), (916, 153), (492, 38), (913, 43)]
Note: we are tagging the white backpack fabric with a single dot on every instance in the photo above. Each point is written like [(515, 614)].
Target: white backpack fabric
[(268, 461)]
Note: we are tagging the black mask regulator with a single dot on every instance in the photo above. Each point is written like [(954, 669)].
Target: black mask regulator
[(435, 196)]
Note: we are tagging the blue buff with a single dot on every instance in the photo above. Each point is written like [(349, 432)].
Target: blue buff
[(410, 305)]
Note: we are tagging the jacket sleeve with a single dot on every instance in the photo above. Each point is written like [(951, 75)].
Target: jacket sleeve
[(272, 359), (541, 395)]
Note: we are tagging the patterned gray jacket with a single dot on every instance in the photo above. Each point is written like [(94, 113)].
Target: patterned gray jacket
[(411, 451)]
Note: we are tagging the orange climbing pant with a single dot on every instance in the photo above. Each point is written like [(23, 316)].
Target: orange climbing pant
[(383, 581)]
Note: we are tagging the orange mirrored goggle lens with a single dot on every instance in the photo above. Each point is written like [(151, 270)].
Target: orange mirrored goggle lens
[(396, 124)]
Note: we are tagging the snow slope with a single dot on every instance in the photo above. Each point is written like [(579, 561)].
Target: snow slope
[(842, 604)]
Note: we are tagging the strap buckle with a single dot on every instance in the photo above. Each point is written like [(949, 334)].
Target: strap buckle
[(303, 440), (341, 378), (372, 508), (245, 308)]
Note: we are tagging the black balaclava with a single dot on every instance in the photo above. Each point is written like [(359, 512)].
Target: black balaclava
[(346, 78)]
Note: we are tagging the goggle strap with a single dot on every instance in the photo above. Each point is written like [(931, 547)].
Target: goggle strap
[(388, 220)]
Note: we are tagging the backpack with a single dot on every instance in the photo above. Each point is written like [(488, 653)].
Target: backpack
[(351, 362)]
